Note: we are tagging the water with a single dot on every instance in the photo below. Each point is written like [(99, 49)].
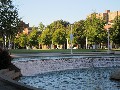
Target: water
[(44, 58), (69, 72), (32, 67), (56, 57), (78, 79)]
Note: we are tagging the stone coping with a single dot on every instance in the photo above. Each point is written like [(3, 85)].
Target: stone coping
[(16, 84)]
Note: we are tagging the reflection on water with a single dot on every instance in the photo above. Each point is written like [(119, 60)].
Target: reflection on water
[(77, 79)]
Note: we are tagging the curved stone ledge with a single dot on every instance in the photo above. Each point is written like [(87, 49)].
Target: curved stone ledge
[(7, 77), (17, 85)]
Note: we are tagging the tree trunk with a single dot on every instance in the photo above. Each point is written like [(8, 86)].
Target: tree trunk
[(4, 41), (9, 43), (86, 43)]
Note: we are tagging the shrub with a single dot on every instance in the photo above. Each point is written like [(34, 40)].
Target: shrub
[(5, 59)]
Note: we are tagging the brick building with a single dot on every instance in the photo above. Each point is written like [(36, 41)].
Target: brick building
[(24, 27), (107, 15)]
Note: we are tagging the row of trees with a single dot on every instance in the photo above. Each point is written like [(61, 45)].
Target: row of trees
[(59, 31)]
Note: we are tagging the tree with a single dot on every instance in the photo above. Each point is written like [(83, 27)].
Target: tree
[(78, 32), (33, 37), (46, 37), (116, 30), (9, 20), (48, 33), (59, 36), (21, 40), (58, 24), (94, 29), (41, 27)]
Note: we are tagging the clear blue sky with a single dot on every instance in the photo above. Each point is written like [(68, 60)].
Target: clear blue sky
[(47, 11)]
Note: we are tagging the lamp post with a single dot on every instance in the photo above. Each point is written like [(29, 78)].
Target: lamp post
[(71, 38), (107, 26), (108, 40)]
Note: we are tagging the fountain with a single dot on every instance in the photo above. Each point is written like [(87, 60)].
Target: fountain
[(69, 73)]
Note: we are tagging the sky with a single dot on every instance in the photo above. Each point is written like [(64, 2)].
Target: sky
[(48, 11)]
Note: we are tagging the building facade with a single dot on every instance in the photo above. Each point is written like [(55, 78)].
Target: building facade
[(108, 16)]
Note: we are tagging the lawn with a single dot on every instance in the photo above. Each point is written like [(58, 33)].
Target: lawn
[(20, 51)]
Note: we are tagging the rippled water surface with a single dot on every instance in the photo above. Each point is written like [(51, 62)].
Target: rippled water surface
[(78, 79)]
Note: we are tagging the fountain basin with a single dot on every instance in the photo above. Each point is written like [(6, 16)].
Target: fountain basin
[(73, 73), (33, 67)]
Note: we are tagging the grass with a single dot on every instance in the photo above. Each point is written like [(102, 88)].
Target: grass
[(22, 51)]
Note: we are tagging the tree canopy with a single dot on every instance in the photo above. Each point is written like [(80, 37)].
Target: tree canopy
[(9, 20), (55, 32), (32, 37), (94, 29), (79, 32), (59, 36), (116, 30)]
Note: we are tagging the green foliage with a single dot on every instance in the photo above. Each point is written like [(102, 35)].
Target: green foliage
[(46, 37), (41, 27), (59, 36), (9, 20), (116, 30), (94, 29), (78, 31), (21, 40), (33, 37), (56, 27), (24, 40)]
